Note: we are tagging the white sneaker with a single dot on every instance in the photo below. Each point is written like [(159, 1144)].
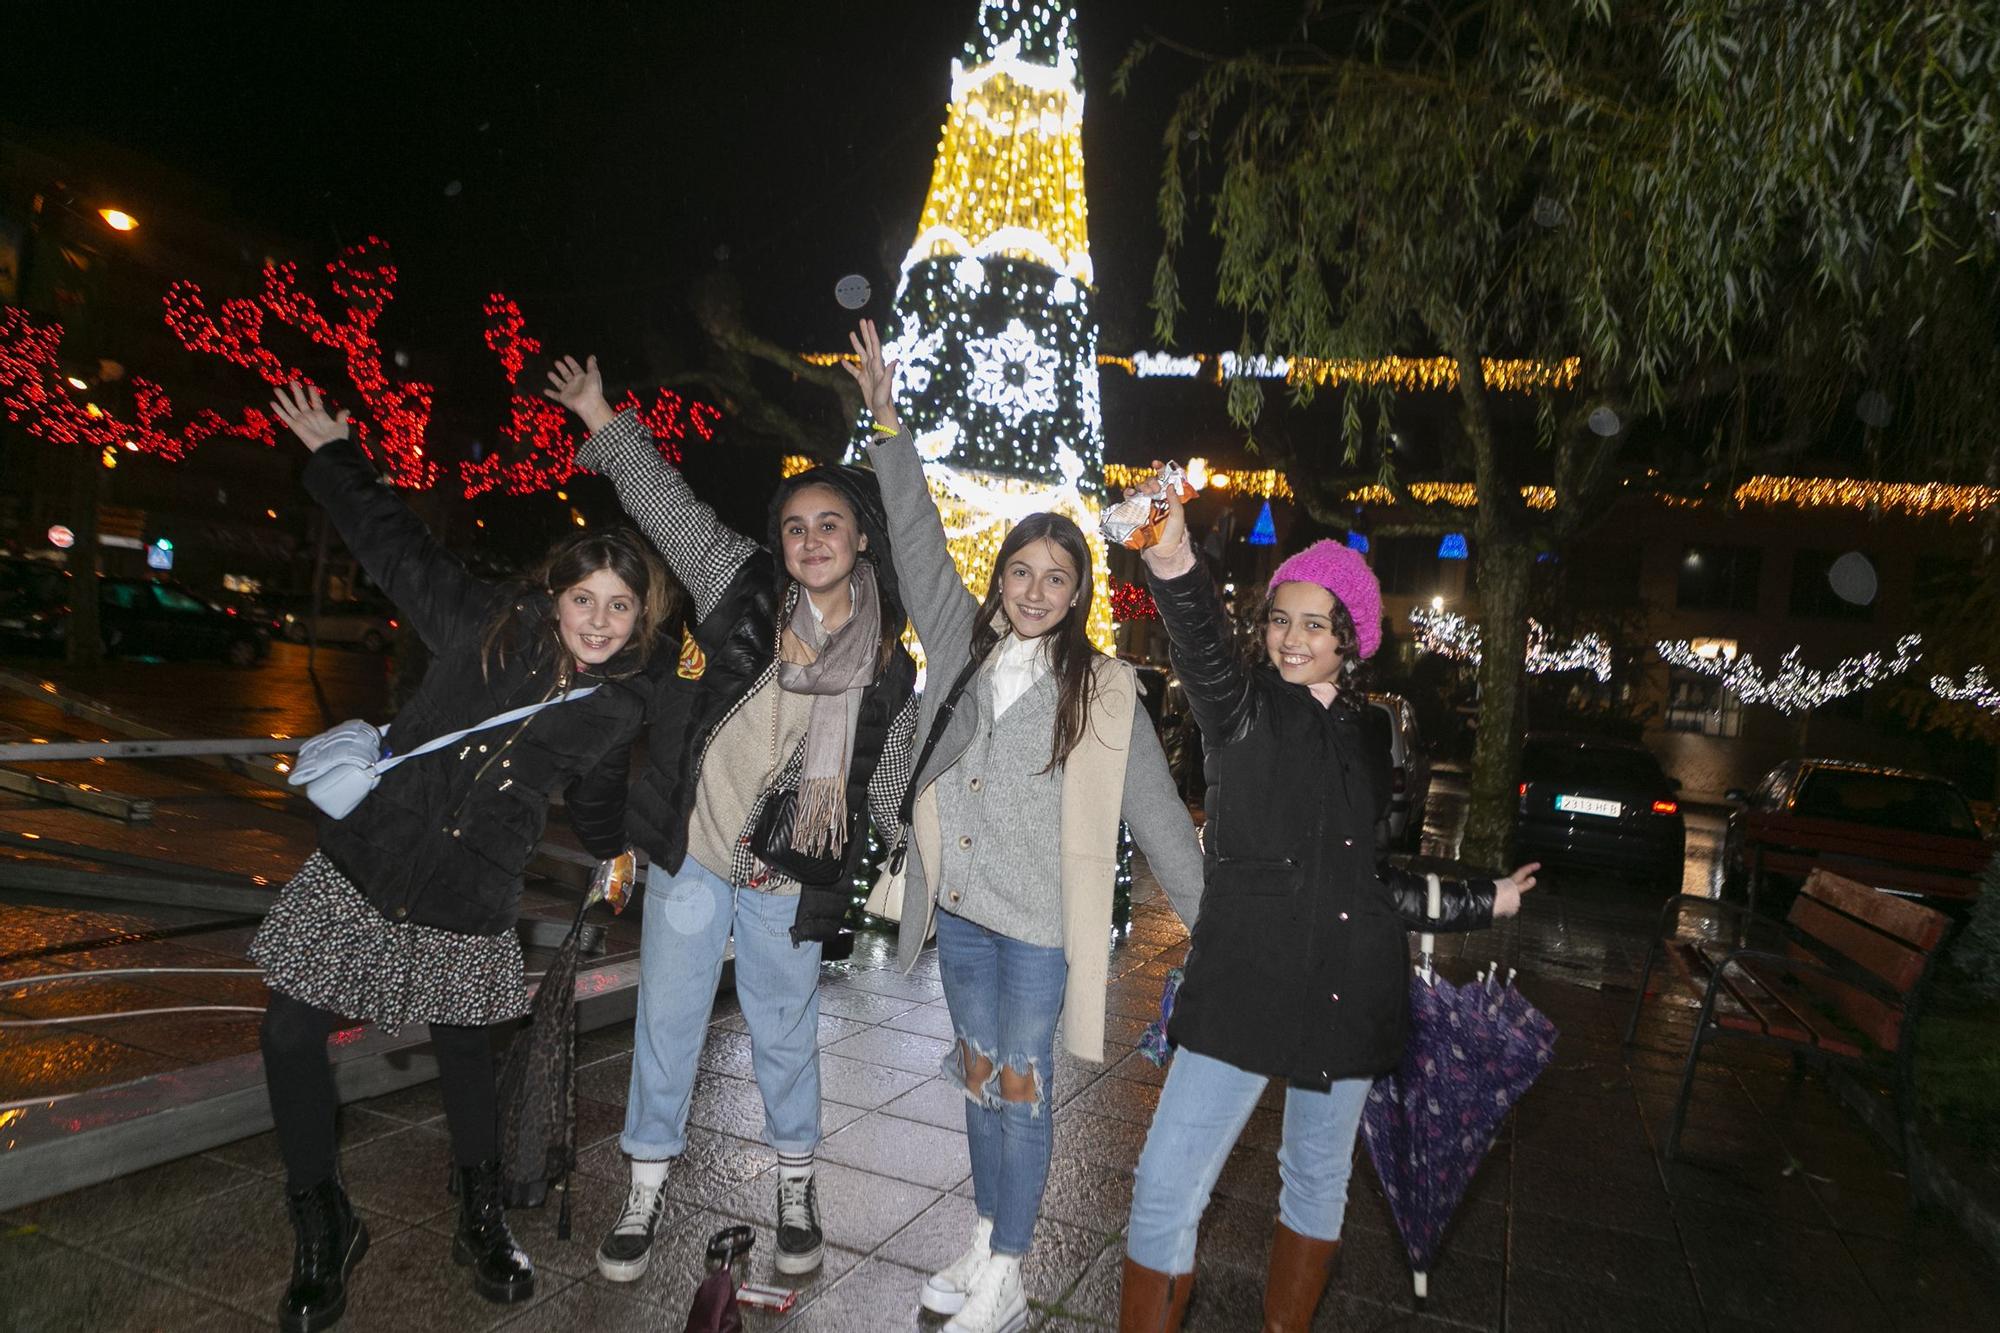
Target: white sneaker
[(944, 1291), (994, 1303)]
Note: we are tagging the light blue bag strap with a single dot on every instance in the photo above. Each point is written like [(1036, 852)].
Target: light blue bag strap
[(499, 720)]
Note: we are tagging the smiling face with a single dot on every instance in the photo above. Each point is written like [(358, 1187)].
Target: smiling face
[(1300, 634), (1038, 586), (594, 618), (821, 539)]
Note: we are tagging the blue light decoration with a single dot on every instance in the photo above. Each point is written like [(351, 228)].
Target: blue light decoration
[(1358, 541), (1264, 532), (1452, 547)]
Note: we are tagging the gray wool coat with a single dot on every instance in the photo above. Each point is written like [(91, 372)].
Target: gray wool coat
[(1117, 770)]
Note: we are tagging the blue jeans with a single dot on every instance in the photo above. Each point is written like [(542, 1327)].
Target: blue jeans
[(1005, 997), (1203, 1108), (686, 923)]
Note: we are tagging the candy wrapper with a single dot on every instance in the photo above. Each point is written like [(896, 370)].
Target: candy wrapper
[(1135, 521), (613, 881)]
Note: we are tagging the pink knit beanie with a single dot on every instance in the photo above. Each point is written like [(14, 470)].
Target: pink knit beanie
[(1342, 572)]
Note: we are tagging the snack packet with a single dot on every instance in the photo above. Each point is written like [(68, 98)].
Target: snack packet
[(613, 881), (1135, 521)]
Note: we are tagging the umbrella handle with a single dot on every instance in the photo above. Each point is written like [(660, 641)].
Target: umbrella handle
[(1433, 909), (1421, 1284)]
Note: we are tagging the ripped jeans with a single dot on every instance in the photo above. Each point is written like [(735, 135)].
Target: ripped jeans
[(1005, 997)]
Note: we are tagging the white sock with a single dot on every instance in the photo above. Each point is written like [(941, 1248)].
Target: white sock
[(795, 1165), (982, 1235), (652, 1175)]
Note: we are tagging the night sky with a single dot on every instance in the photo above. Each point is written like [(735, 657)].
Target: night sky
[(590, 159)]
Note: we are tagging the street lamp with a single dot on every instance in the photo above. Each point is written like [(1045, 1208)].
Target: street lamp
[(117, 219)]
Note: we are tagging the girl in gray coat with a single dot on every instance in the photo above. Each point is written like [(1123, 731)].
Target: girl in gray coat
[(1015, 833)]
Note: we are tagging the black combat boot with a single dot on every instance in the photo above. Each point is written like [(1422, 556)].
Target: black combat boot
[(500, 1271), (330, 1241)]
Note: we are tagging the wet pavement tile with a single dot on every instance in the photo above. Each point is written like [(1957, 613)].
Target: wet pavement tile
[(898, 1050), (908, 1149), (876, 1296), (417, 1104), (727, 1052), (680, 1262), (403, 1175), (71, 1061), (940, 1102), (49, 1285), (1105, 1140), (736, 1106), (1631, 1265), (862, 1006), (888, 981), (226, 1246), (831, 1029), (1059, 1256), (608, 1081), (1756, 1267), (408, 1281), (855, 1083), (1120, 1099), (1464, 1288), (929, 1020), (92, 1214), (1553, 1302), (1084, 1194)]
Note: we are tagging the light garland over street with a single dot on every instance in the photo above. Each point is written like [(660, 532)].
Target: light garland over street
[(1795, 688), (1449, 634)]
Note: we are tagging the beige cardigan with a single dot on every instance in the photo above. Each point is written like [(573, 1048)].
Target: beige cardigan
[(1093, 785)]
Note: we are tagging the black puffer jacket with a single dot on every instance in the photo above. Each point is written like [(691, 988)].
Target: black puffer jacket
[(443, 840), (1299, 967)]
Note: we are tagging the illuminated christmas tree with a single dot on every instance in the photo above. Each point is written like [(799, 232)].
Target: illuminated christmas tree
[(993, 331)]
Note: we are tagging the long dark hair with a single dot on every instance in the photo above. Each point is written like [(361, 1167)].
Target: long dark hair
[(1070, 650), (568, 563), (1348, 687), (862, 494)]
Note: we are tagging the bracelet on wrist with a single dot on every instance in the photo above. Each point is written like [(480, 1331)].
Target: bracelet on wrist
[(888, 430)]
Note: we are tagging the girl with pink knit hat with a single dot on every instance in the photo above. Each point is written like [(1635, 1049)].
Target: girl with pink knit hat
[(1299, 965)]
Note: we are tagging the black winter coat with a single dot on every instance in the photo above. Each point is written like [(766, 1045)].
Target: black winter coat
[(444, 839), (1299, 964)]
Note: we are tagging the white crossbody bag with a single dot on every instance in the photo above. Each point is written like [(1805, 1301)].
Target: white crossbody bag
[(341, 765)]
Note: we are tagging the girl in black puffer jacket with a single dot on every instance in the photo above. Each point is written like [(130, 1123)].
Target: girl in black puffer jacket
[(406, 912), (1299, 965)]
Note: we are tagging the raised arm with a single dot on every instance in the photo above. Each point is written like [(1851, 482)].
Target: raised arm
[(1152, 808), (940, 607), (704, 553), (595, 802), (429, 586), (1213, 676)]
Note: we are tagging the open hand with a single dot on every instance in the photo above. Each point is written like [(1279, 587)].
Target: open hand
[(876, 378), (581, 389), (1507, 892), (304, 413)]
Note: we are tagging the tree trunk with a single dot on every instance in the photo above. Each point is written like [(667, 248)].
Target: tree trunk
[(1502, 577)]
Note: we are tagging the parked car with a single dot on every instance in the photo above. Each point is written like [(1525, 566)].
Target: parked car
[(1598, 804), (137, 618), (1409, 772), (366, 623), (1905, 833)]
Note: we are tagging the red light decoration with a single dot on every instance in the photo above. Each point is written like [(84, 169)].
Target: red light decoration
[(364, 280), (544, 445), (393, 417), (1130, 602), (35, 395)]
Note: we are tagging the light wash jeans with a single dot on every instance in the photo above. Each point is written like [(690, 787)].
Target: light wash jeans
[(1203, 1108), (1005, 997), (686, 922)]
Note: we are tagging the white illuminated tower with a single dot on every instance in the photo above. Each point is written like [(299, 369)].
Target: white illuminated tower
[(992, 325)]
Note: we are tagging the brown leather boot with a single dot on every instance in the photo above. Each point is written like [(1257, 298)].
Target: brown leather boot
[(1152, 1302), (1300, 1269)]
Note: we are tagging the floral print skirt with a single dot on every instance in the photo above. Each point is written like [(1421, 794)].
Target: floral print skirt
[(325, 945)]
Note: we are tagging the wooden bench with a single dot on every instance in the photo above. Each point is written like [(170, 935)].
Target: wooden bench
[(1848, 976)]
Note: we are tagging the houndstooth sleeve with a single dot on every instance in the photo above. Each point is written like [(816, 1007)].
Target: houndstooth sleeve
[(892, 774), (704, 553)]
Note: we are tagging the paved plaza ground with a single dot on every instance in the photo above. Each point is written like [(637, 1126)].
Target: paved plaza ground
[(1784, 1213)]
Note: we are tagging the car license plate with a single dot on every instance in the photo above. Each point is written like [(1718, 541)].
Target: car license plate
[(1588, 805)]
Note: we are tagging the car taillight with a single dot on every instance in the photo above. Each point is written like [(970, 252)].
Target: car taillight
[(394, 625), (1666, 807), (229, 610), (1523, 791)]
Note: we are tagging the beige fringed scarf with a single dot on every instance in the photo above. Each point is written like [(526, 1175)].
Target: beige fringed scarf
[(834, 669)]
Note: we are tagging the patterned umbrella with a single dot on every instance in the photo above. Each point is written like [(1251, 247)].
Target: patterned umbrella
[(1473, 1050)]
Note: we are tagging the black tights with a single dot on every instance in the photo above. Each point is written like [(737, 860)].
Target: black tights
[(299, 1078)]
